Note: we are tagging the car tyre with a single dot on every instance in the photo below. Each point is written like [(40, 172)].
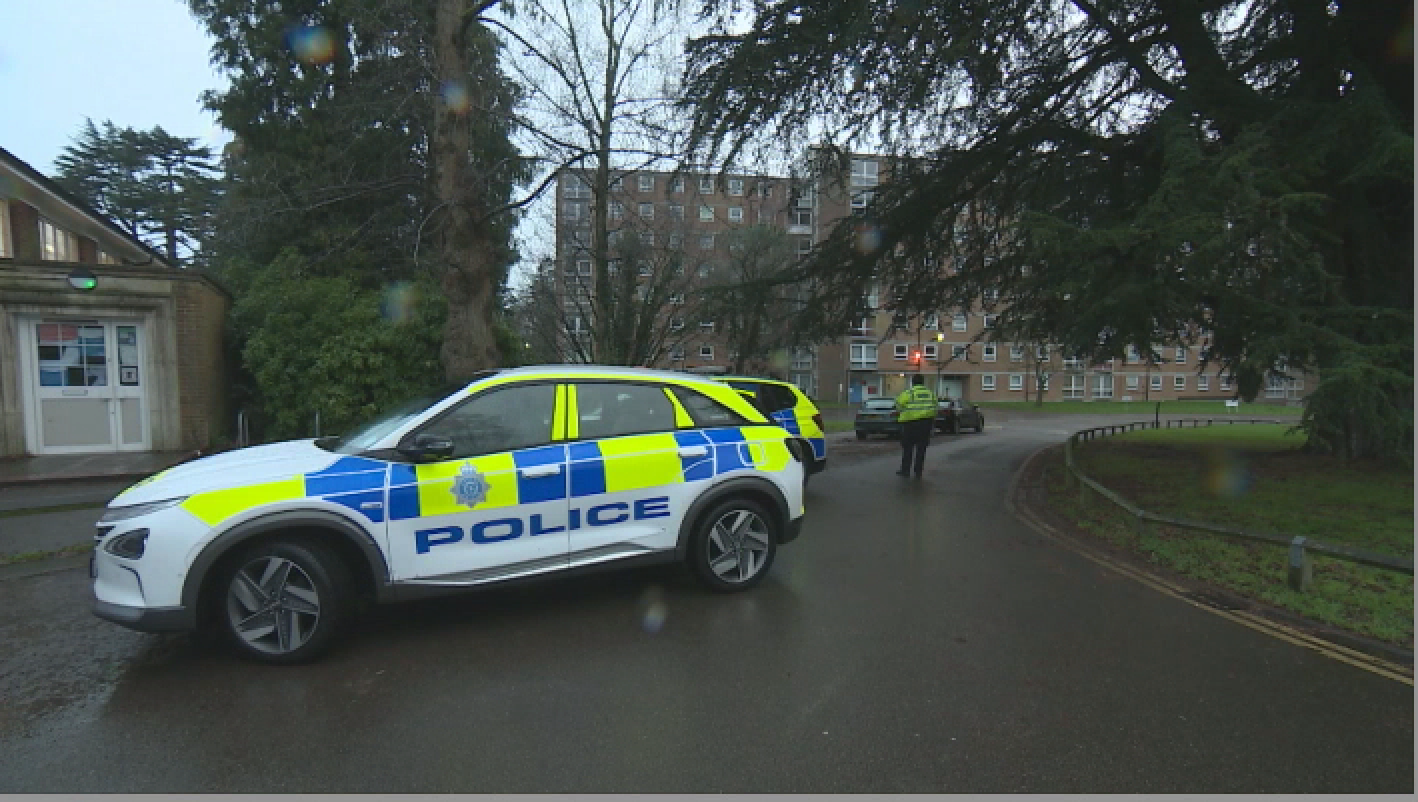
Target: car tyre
[(733, 545), (861, 435), (284, 601)]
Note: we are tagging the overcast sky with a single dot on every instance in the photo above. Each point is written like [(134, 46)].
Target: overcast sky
[(139, 63)]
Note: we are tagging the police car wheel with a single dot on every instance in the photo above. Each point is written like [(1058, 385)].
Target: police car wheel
[(285, 601), (734, 545)]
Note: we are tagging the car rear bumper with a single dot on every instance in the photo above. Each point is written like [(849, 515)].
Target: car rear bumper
[(877, 427), (816, 465), (792, 530)]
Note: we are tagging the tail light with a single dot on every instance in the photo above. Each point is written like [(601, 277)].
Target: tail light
[(817, 418), (797, 447)]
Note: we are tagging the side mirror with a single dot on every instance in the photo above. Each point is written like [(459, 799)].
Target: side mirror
[(428, 446)]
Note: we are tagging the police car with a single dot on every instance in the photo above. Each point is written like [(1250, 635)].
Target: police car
[(522, 473), (786, 405)]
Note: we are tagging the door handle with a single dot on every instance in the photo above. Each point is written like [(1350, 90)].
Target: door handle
[(694, 451), (538, 471)]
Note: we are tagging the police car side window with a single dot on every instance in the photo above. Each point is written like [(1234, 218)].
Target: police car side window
[(505, 419), (780, 398), (613, 409), (706, 411)]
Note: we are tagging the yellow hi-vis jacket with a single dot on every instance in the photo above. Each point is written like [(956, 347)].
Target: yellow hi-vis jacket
[(917, 403)]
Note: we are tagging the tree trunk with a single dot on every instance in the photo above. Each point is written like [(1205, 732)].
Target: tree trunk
[(465, 246)]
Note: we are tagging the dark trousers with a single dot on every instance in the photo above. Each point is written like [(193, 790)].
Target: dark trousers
[(915, 436)]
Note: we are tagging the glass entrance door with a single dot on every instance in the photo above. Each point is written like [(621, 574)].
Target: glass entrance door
[(88, 387)]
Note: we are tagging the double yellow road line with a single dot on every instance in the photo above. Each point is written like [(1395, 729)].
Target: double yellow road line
[(1367, 662)]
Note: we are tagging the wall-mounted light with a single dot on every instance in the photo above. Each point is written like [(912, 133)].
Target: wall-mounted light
[(83, 279)]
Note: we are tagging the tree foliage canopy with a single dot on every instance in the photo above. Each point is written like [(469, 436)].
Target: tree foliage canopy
[(1232, 173), (160, 188)]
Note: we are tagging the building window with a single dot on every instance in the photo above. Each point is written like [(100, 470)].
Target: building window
[(864, 173), (990, 352), (613, 238), (706, 352), (1225, 383), (736, 186), (677, 352), (932, 322), (677, 184), (1073, 389), (1133, 383), (617, 210), (959, 323), (105, 258), (987, 381), (704, 271), (931, 351), (735, 214), (1181, 355), (706, 242), (644, 270), (1203, 383), (1103, 385), (6, 252), (899, 351), (765, 190), (647, 211), (612, 266), (991, 295), (802, 359), (1016, 381), (574, 187), (676, 211), (583, 267), (990, 321), (647, 183), (676, 240), (1041, 353), (573, 211), (706, 325), (1179, 382), (1274, 386), (706, 185), (959, 352), (676, 324), (676, 299), (1155, 383), (647, 238), (706, 213), (1132, 355), (804, 246), (861, 199), (1072, 363), (618, 184), (1016, 353), (1043, 384), (863, 356)]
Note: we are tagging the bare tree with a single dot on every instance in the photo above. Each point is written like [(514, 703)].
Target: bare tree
[(747, 295), (595, 112)]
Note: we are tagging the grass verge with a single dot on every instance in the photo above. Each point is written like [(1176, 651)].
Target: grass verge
[(838, 426), (84, 505), (34, 556), (1216, 409), (1254, 477)]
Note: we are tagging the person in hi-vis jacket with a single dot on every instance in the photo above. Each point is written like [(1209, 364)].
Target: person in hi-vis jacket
[(916, 411)]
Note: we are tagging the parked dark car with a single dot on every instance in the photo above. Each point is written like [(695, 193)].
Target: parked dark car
[(877, 416), (953, 415)]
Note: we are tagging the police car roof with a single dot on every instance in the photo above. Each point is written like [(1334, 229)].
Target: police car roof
[(602, 371)]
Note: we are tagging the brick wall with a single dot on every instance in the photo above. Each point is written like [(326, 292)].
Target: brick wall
[(201, 371)]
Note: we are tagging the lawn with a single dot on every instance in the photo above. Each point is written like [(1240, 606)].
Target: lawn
[(1256, 478), (838, 426), (1216, 409)]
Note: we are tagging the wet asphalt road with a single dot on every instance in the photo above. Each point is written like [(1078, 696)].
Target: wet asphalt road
[(915, 638)]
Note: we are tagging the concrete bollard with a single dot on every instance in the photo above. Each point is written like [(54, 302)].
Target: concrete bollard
[(1302, 569)]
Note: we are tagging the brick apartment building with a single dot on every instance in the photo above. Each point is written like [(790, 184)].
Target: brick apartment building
[(104, 346), (875, 358)]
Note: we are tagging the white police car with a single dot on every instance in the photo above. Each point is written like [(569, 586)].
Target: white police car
[(522, 473)]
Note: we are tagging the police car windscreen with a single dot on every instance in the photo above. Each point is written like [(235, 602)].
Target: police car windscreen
[(363, 437)]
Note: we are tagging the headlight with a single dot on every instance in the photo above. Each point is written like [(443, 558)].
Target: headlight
[(129, 544), (124, 513)]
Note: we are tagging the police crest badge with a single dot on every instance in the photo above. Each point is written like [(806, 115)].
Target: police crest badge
[(469, 487)]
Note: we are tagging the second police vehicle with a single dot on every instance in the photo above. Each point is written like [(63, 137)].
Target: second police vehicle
[(522, 473)]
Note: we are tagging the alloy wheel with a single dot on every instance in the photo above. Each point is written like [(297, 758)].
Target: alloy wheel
[(272, 605), (738, 546)]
